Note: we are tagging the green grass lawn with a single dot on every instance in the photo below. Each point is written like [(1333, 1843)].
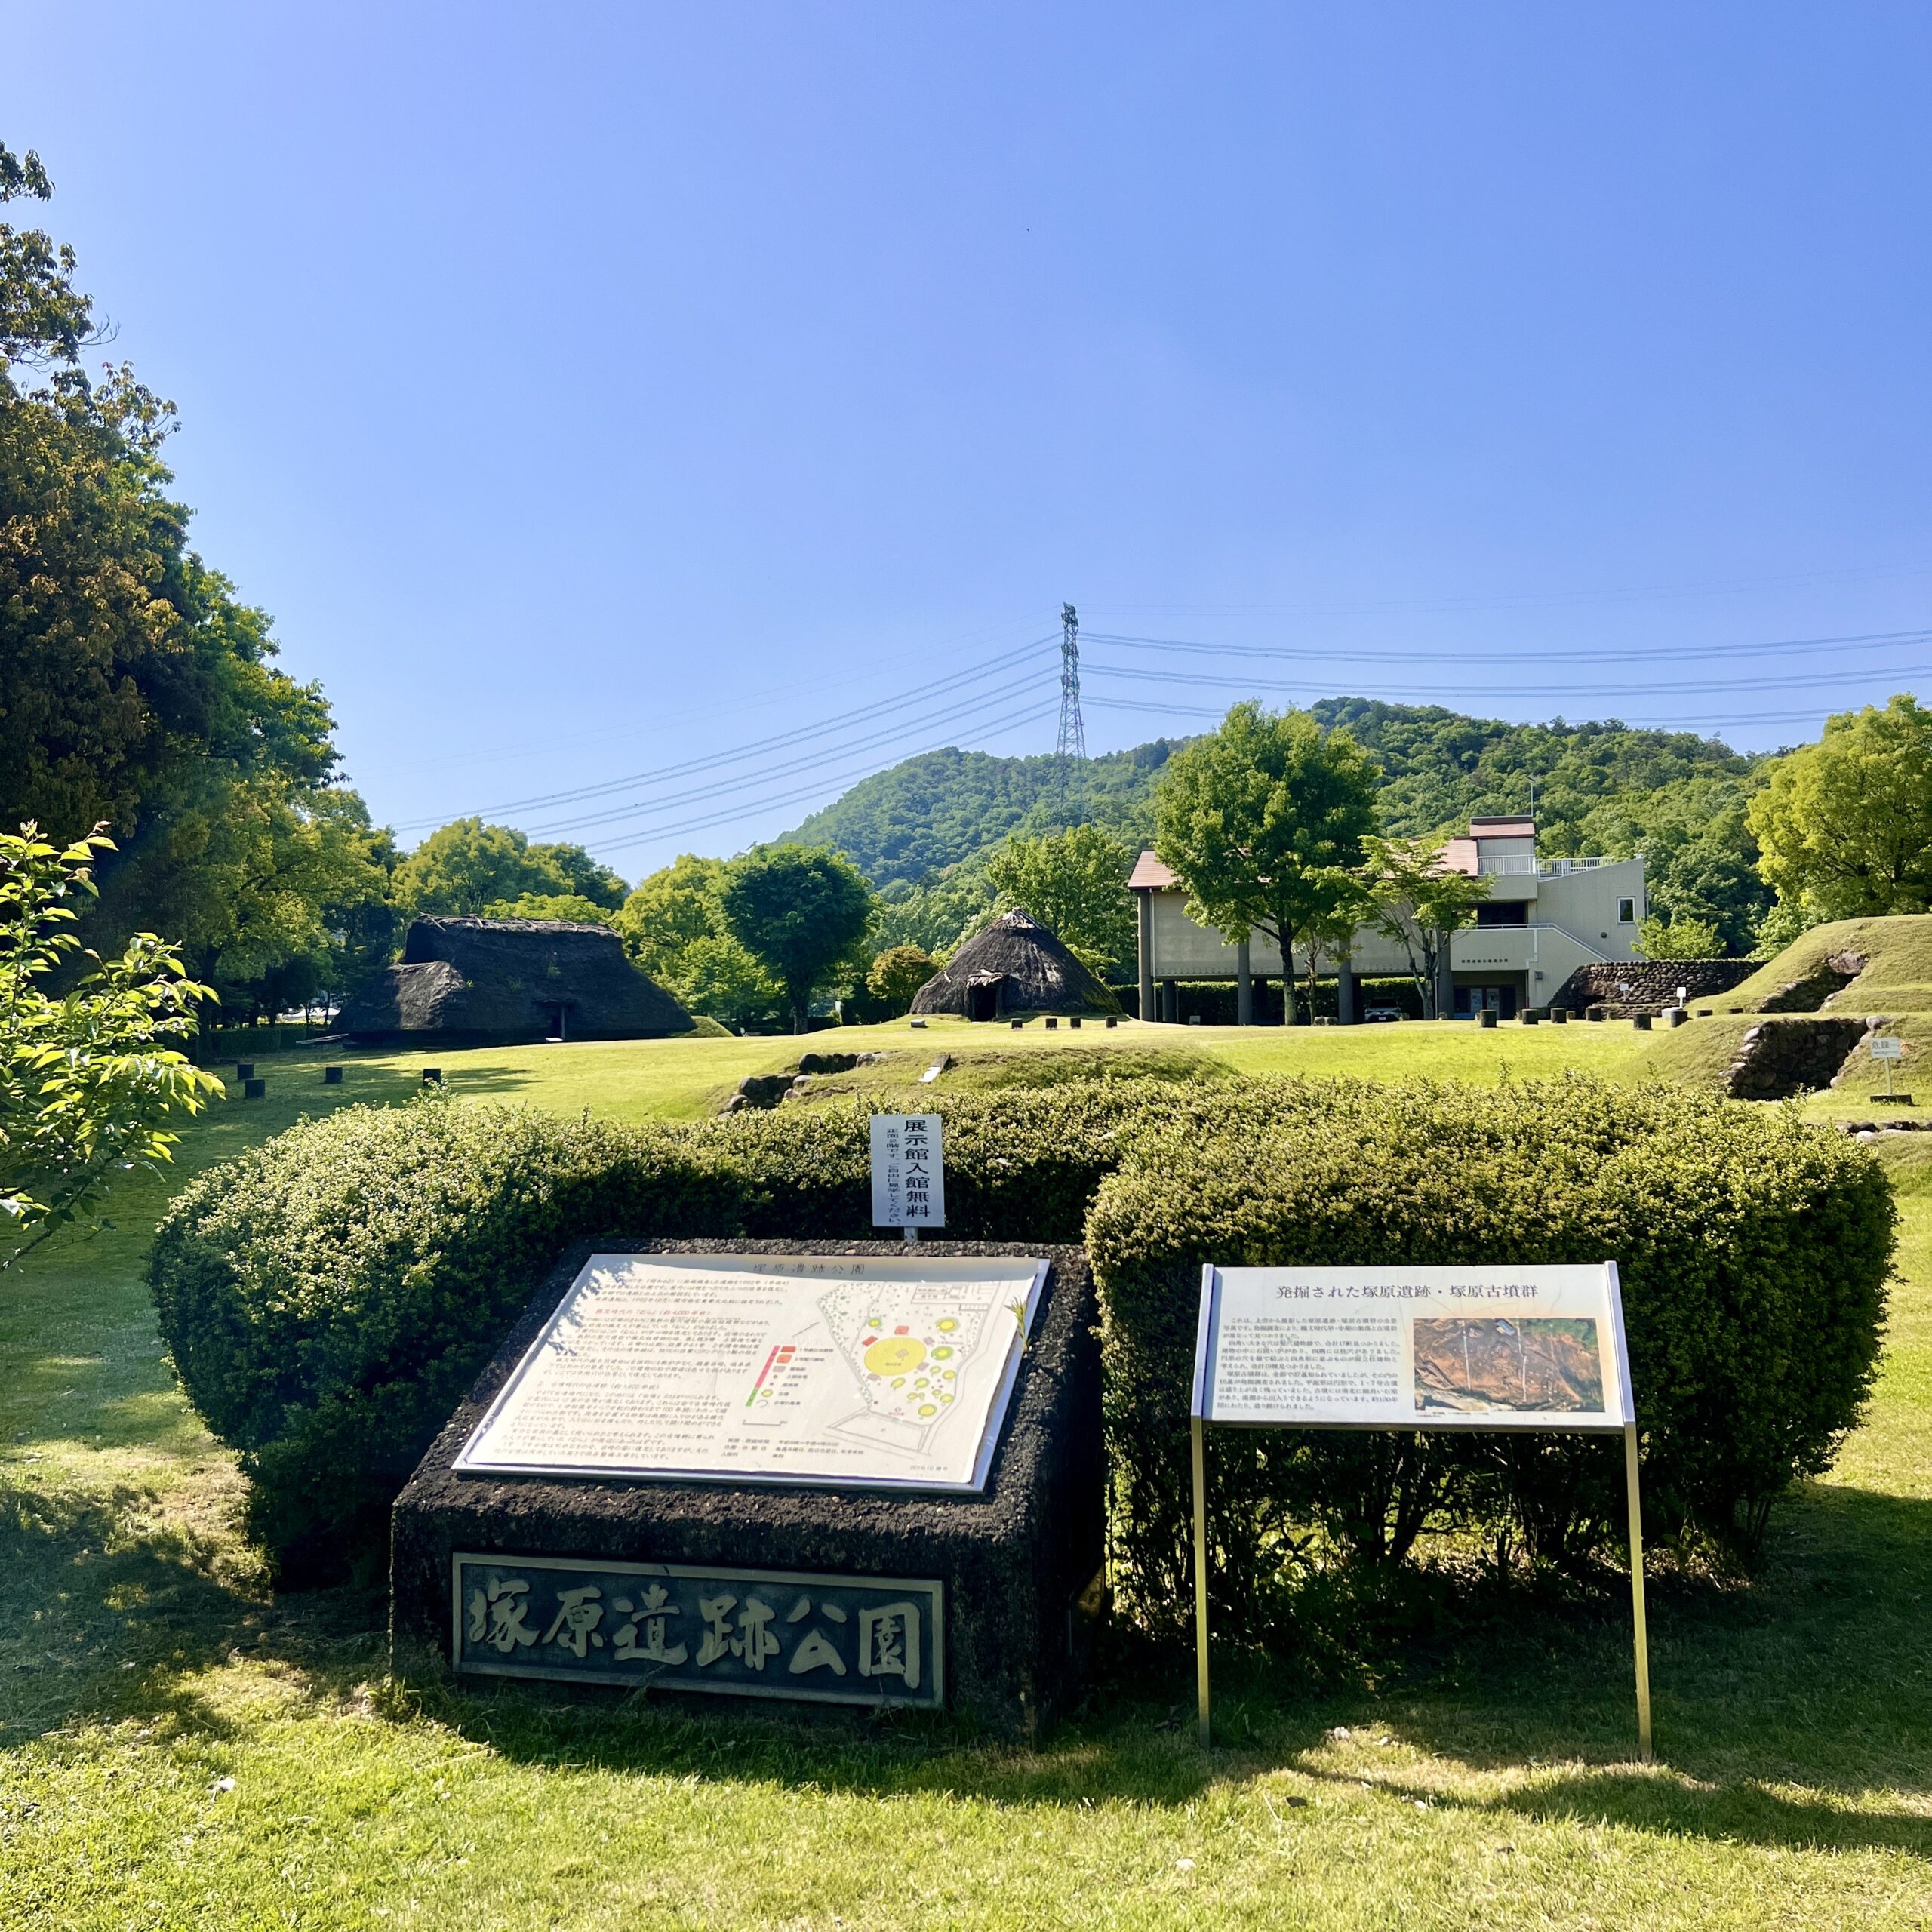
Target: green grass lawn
[(685, 1079), (179, 1748)]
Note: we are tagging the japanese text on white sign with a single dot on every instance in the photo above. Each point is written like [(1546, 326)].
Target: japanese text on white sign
[(909, 1171), (870, 1370), (1413, 1348)]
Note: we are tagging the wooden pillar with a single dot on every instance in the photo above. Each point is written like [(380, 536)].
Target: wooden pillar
[(1171, 1001), (1244, 987)]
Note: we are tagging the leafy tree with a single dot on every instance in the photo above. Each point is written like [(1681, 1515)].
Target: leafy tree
[(135, 686), (86, 1078), (673, 926), (465, 866), (1418, 901), (1699, 857), (1265, 823), (895, 978), (581, 875), (1075, 884), (569, 905), (938, 914), (1679, 938), (802, 912), (1787, 922), (1845, 825)]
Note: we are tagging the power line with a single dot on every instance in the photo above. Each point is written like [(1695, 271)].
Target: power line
[(1866, 640), (745, 810), (957, 714), (1234, 680), (1727, 717), (664, 774)]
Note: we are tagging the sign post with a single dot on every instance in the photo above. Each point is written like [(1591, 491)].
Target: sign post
[(1890, 1048), (908, 1172), (1393, 1348)]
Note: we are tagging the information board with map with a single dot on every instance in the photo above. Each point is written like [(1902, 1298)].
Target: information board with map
[(875, 1371), (1413, 1348)]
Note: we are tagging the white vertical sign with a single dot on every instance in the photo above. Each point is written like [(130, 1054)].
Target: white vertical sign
[(909, 1172)]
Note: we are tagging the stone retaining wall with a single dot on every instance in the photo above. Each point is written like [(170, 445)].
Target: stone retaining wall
[(1779, 1059), (1648, 986)]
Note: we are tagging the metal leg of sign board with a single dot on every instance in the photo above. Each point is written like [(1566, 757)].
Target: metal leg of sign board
[(1643, 1641), (911, 1234), (1201, 1578)]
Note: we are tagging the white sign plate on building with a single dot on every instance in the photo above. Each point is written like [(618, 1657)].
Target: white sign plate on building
[(1887, 1046), (1412, 1348), (879, 1371), (909, 1171)]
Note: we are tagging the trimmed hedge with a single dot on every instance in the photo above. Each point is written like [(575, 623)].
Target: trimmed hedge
[(1753, 1251), (328, 1296)]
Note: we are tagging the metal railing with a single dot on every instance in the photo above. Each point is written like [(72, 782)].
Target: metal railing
[(1525, 864)]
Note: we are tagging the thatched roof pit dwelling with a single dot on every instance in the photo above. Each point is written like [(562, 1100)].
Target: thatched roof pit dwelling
[(499, 982), (1010, 968)]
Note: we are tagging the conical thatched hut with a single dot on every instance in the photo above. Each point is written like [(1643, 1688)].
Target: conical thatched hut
[(1014, 966), (501, 981)]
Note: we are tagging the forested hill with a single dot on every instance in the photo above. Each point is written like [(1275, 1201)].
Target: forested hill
[(903, 826), (1438, 768)]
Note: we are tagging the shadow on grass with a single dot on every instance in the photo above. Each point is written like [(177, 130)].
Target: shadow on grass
[(1782, 1708), (1819, 1675), (107, 1616)]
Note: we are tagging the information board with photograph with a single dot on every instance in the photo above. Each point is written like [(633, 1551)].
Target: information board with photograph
[(875, 1371), (1412, 1348)]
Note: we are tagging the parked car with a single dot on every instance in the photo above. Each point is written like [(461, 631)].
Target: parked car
[(1375, 1013)]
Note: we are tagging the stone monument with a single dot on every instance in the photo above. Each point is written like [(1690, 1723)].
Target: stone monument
[(834, 1472)]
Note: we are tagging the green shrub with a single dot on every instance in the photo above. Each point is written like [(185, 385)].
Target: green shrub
[(1753, 1251), (328, 1296)]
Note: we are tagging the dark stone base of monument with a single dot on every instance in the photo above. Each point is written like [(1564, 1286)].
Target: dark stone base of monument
[(1004, 1582)]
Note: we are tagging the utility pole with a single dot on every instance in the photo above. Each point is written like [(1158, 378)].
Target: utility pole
[(1072, 744)]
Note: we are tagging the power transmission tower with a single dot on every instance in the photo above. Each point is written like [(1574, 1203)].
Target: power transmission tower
[(1072, 732), (1070, 753)]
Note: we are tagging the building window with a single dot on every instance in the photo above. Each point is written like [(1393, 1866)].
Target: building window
[(1626, 912), (1510, 912)]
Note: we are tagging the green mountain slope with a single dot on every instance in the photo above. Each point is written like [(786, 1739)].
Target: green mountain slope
[(1440, 768), (903, 826)]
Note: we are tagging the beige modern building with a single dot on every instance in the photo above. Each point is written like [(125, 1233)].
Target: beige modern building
[(1543, 919)]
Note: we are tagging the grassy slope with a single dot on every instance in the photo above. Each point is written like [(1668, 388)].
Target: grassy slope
[(686, 1079), (1897, 976), (143, 1665)]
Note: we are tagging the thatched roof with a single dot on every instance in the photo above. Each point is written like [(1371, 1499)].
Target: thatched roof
[(512, 980), (1027, 968)]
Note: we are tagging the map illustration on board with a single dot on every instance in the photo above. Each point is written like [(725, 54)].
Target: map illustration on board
[(907, 1344), (892, 1369), (1544, 1364)]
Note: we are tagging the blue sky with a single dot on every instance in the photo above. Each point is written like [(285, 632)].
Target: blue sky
[(593, 390)]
